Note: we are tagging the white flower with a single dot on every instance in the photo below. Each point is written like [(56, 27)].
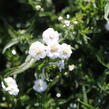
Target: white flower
[(58, 95), (53, 50), (38, 7), (11, 86), (71, 67), (66, 73), (60, 65), (107, 26), (65, 52), (40, 85), (50, 35), (75, 22), (37, 50), (60, 18), (68, 16), (42, 9), (66, 23), (14, 52)]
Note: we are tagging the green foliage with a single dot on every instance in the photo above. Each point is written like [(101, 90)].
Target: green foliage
[(87, 85)]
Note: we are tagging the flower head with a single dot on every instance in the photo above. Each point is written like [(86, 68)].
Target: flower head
[(50, 35), (68, 16), (71, 67), (65, 52), (11, 86), (40, 85), (38, 7), (37, 50), (53, 50), (66, 23), (60, 18)]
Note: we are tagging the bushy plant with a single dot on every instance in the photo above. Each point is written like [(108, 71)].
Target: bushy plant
[(74, 71)]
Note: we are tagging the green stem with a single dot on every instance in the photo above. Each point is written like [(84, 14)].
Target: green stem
[(84, 94)]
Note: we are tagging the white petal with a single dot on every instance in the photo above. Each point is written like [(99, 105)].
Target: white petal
[(11, 86), (40, 85), (37, 50), (50, 35)]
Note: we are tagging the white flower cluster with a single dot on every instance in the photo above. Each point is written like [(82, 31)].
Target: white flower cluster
[(11, 86), (40, 85), (52, 49), (66, 23), (39, 8)]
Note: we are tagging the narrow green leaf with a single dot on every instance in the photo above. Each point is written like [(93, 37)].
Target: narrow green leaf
[(87, 105), (26, 65), (10, 44), (100, 60)]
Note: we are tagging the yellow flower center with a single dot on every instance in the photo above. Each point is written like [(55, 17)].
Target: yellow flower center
[(51, 36), (54, 48), (66, 51), (39, 86), (38, 51)]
